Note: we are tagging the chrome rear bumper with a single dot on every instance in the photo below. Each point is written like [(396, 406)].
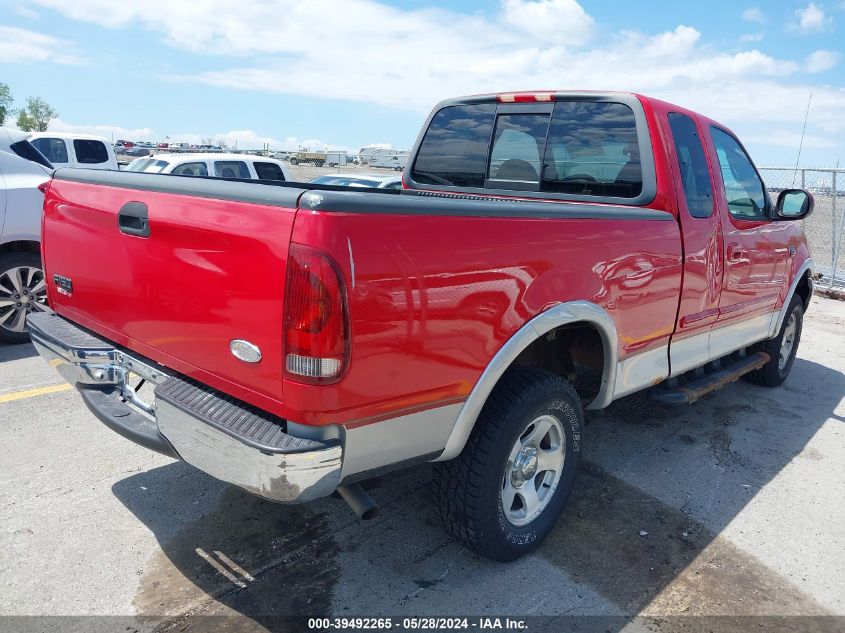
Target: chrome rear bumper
[(221, 436)]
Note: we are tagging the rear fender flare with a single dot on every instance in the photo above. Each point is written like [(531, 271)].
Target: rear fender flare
[(561, 314), (779, 316)]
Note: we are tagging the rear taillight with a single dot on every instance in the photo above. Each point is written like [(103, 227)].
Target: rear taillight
[(316, 317)]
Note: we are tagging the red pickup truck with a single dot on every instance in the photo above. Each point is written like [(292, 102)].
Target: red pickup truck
[(549, 251)]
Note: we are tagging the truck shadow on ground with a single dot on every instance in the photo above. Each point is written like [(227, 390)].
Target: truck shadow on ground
[(224, 552), (16, 352)]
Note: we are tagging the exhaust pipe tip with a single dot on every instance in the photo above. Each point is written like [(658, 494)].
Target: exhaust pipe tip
[(361, 503)]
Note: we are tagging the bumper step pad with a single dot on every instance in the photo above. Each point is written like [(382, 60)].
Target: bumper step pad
[(71, 335), (250, 425)]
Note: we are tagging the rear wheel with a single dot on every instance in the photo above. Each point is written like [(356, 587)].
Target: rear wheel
[(504, 493), (294, 160), (781, 349), (22, 290)]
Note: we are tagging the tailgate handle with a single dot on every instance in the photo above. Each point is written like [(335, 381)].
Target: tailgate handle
[(133, 219)]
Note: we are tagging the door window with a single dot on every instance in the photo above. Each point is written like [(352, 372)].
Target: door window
[(698, 191), (53, 149), (744, 190)]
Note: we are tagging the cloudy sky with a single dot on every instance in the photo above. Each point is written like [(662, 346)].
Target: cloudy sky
[(353, 72)]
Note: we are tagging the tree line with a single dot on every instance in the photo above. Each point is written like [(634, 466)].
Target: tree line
[(35, 116)]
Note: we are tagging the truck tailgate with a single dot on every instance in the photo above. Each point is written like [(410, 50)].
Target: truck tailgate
[(211, 270)]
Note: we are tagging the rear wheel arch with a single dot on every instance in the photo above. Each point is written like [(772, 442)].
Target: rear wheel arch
[(804, 289), (801, 286), (531, 345)]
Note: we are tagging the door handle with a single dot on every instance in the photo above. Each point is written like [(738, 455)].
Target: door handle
[(133, 219), (735, 252)]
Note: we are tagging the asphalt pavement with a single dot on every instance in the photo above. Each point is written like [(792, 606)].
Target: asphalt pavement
[(729, 507)]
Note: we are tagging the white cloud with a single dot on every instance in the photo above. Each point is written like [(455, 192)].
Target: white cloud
[(751, 37), (822, 60), (811, 19), (111, 132), (753, 14), (249, 139), (25, 11), (369, 52), (561, 22), (243, 139), (20, 45)]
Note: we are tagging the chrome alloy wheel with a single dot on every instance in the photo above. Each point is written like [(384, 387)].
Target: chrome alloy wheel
[(22, 290), (533, 470), (787, 341)]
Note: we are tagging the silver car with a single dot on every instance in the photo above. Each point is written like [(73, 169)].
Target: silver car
[(22, 286)]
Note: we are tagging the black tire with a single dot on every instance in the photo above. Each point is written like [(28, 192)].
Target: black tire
[(9, 320), (773, 373), (294, 160), (469, 488)]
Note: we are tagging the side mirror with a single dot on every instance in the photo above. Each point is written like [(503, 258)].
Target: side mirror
[(793, 204)]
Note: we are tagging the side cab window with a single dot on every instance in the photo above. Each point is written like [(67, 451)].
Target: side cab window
[(90, 152), (190, 169), (744, 190), (692, 162)]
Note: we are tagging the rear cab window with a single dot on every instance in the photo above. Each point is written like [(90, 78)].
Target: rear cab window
[(268, 171), (589, 147), (53, 149), (90, 152)]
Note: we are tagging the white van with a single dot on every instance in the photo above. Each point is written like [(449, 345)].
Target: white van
[(216, 164), (75, 150)]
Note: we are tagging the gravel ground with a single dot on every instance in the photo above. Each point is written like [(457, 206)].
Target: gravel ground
[(730, 507)]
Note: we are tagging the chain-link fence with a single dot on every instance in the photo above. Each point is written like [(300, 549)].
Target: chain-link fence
[(825, 228)]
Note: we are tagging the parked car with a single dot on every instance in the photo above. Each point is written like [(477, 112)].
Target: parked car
[(379, 181), (22, 289), (75, 150), (137, 151), (216, 164), (555, 252)]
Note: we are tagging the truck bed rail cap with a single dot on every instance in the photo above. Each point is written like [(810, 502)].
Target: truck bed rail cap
[(425, 203), (279, 194)]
